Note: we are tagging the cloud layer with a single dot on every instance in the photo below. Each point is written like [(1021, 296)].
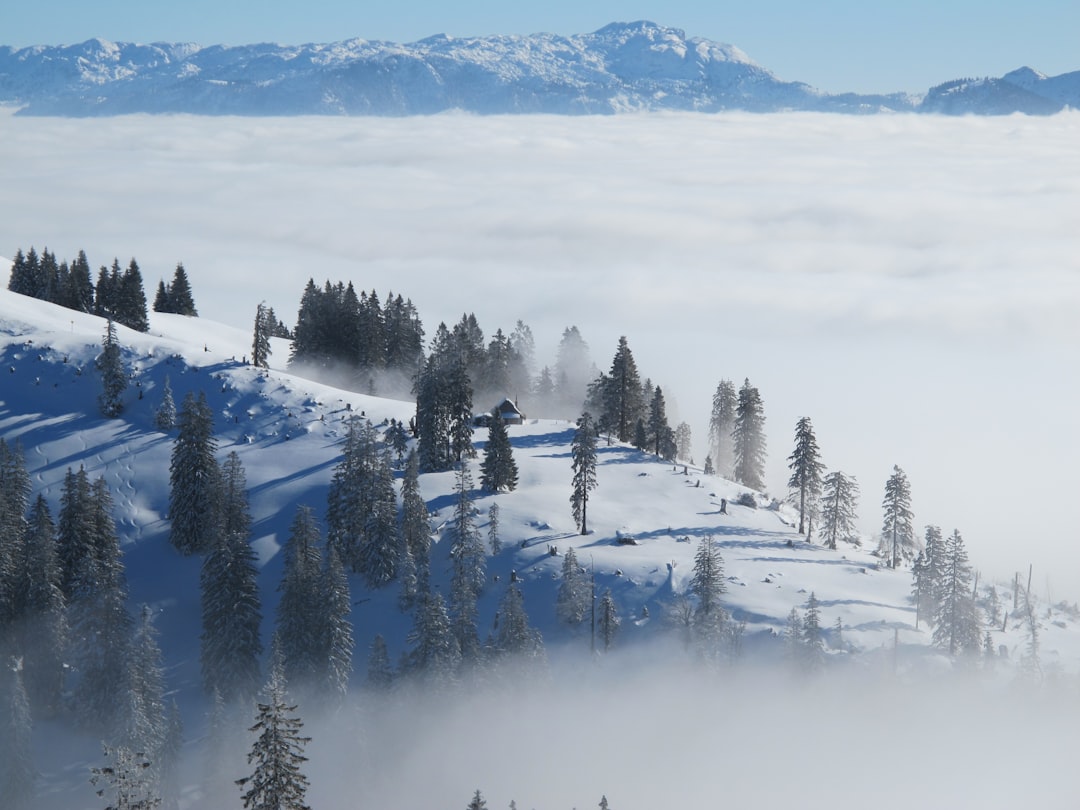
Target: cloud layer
[(910, 283)]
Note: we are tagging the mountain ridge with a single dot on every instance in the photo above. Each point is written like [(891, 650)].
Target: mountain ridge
[(622, 67)]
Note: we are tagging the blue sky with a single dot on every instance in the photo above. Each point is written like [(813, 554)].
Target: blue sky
[(835, 45)]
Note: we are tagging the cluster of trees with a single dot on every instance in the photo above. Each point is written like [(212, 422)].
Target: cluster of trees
[(945, 595), (118, 293), (70, 647), (805, 638), (737, 446)]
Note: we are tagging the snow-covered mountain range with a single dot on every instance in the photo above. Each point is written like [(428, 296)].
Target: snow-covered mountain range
[(622, 67)]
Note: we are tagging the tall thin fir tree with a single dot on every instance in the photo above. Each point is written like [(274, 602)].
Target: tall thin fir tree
[(621, 394), (684, 443), (839, 509), (927, 573), (721, 427), (897, 529), (748, 437), (607, 620), (574, 596), (469, 568), (435, 657), (514, 636), (583, 463), (299, 609), (956, 625), (494, 542), (335, 630), (260, 344), (277, 783), (165, 415), (498, 470), (110, 365), (44, 627), (812, 641), (147, 730), (806, 474), (708, 587), (194, 480), (415, 525)]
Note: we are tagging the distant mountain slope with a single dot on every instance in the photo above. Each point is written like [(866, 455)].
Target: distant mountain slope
[(621, 67)]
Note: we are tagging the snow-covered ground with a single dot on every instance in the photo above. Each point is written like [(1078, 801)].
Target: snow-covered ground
[(288, 432)]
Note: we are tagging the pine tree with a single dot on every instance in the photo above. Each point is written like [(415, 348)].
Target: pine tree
[(722, 427), (335, 629), (378, 555), (607, 620), (75, 531), (793, 638), (380, 676), (927, 573), (575, 592), (707, 586), (621, 394), (813, 644), (195, 480), (180, 298), (126, 777), (299, 609), (897, 531), (44, 628), (956, 624), (513, 634), (498, 471), (658, 424), (435, 655), (493, 529), (165, 415), (839, 509), (683, 442), (14, 501), (110, 365), (806, 472), (146, 720), (131, 300), (162, 300), (415, 526), (260, 345), (477, 802), (748, 437), (231, 618), (583, 453), (277, 783), (18, 776), (469, 568)]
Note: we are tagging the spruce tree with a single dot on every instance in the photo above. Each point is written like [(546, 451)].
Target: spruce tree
[(683, 442), (277, 783), (299, 610), (231, 618), (812, 641), (380, 675), (927, 572), (708, 586), (621, 395), (415, 526), (498, 470), (180, 298), (897, 530), (607, 620), (748, 436), (378, 555), (469, 568), (493, 529), (956, 624), (165, 415), (110, 365), (839, 509), (575, 592), (806, 474), (335, 629), (583, 455), (514, 636), (722, 427), (260, 344), (477, 802), (146, 721), (131, 300), (75, 531), (195, 480), (126, 778), (435, 655)]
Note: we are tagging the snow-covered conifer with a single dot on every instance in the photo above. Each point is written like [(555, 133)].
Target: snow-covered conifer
[(683, 442), (435, 655), (897, 529), (607, 620), (493, 529), (514, 635), (806, 474), (621, 395), (956, 624), (380, 675), (18, 776), (194, 480), (415, 526), (839, 509), (812, 641), (43, 628), (260, 342), (707, 585), (165, 415), (722, 426), (748, 438), (299, 609), (110, 364), (583, 455), (336, 628), (575, 591), (498, 470), (469, 567)]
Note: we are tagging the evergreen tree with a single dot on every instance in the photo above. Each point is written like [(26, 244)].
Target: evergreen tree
[(75, 531), (658, 423), (514, 635), (433, 416), (477, 802), (162, 301), (813, 644), (127, 779), (607, 620), (897, 531), (927, 573), (806, 474), (14, 501), (583, 453), (194, 479), (573, 370), (180, 299), (299, 610), (493, 529), (44, 628), (621, 395), (101, 627), (80, 286), (131, 300), (722, 427), (169, 766), (839, 509), (231, 618), (260, 345), (683, 442), (165, 415), (351, 498), (435, 655), (380, 676), (707, 585), (110, 365), (277, 782), (415, 526), (748, 437), (18, 776), (335, 629), (709, 468), (575, 591), (469, 568), (793, 639), (641, 436), (147, 729), (956, 624), (498, 470)]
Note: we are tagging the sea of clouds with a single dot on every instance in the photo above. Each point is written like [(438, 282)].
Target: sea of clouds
[(911, 283)]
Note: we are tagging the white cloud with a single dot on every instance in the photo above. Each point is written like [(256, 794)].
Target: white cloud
[(910, 283)]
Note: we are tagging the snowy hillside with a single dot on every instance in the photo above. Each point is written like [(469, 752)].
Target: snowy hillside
[(647, 517), (621, 67)]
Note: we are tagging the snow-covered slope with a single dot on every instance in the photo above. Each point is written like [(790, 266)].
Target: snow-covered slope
[(623, 66)]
